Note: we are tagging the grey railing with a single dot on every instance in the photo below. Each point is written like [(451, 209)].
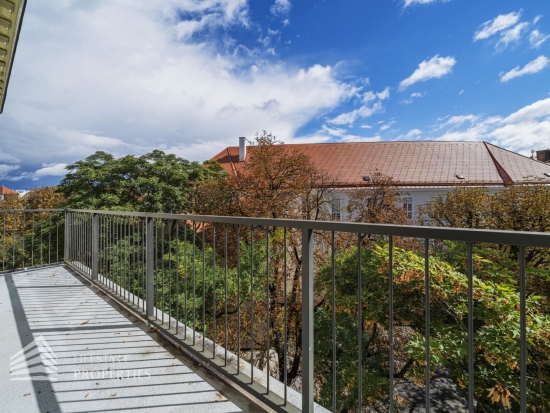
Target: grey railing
[(174, 268), (31, 237)]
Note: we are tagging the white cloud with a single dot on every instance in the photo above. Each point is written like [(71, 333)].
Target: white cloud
[(512, 35), (496, 25), (461, 92), (134, 84), (526, 129), (370, 95), (55, 169), (458, 120), (413, 2), (536, 38), (413, 96), (412, 134), (6, 170), (536, 19), (434, 68), (385, 94), (387, 125), (363, 112), (355, 138), (365, 126), (532, 67), (281, 7)]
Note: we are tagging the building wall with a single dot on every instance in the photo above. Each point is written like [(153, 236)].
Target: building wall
[(420, 196)]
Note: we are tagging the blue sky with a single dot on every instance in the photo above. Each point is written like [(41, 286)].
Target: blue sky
[(189, 77)]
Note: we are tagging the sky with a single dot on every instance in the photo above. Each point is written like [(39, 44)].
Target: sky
[(189, 77)]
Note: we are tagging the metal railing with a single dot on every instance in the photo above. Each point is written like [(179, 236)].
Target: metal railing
[(244, 294), (31, 237)]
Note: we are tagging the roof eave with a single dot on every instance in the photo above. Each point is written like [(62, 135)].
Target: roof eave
[(11, 11)]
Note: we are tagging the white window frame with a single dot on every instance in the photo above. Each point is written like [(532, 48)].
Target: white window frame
[(408, 205), (336, 208)]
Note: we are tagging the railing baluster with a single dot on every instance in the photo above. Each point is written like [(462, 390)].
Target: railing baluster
[(149, 283), (427, 312), (308, 384), (267, 304), (23, 241), (359, 327), (390, 298), (194, 282), (333, 320), (523, 330), (177, 276), (32, 241), (251, 304), (214, 291), (225, 290), (238, 301), (285, 325), (203, 287), (95, 246), (470, 329)]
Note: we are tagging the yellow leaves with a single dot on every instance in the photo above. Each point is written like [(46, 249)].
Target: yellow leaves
[(500, 394)]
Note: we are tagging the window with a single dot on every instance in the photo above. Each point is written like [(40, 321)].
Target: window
[(408, 206), (336, 212)]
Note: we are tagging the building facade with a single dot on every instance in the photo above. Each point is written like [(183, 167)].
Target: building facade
[(419, 170)]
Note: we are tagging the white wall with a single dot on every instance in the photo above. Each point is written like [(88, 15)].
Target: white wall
[(420, 196)]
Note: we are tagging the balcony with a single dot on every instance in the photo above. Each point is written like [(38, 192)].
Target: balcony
[(127, 311)]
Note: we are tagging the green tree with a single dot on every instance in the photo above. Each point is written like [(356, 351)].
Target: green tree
[(496, 339), (154, 182)]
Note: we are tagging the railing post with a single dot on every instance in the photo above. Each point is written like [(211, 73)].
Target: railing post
[(66, 251), (307, 321), (95, 245), (149, 272)]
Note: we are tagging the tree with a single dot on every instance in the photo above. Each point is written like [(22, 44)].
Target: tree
[(379, 203), (496, 337), (155, 182), (275, 182)]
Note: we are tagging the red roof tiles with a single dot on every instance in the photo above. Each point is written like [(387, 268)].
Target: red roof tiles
[(6, 191), (426, 163)]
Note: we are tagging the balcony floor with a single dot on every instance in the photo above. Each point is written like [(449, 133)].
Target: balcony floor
[(105, 360)]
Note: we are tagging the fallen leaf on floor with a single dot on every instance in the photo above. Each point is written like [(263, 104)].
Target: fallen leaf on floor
[(113, 394), (87, 394), (154, 330), (27, 394), (180, 347), (218, 396), (85, 322), (190, 383), (116, 333), (39, 391), (97, 384)]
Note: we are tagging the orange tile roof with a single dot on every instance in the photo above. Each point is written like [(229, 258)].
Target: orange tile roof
[(425, 163), (6, 191)]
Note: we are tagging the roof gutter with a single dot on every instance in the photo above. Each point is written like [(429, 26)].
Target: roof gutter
[(11, 19)]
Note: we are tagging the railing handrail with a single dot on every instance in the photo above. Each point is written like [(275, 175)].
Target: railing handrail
[(33, 210), (516, 238)]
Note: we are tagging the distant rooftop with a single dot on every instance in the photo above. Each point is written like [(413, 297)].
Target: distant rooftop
[(425, 163), (6, 191)]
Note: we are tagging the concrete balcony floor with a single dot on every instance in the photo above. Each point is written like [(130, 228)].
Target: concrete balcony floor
[(100, 359)]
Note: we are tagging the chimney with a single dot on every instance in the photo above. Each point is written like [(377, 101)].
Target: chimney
[(543, 156), (242, 149)]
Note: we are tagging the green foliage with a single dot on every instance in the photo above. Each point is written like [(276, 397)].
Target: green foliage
[(496, 339), (155, 182)]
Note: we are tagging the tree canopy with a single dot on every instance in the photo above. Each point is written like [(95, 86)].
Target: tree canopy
[(154, 182)]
